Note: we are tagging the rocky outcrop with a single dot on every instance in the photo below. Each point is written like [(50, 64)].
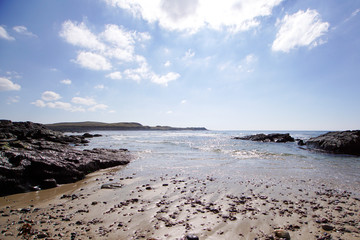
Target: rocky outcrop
[(346, 142), (273, 137), (33, 157)]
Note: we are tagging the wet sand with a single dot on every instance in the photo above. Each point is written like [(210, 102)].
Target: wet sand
[(173, 206)]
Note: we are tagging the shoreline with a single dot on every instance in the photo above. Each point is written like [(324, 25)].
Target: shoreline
[(171, 206)]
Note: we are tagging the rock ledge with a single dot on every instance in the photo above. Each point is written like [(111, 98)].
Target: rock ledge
[(34, 157), (273, 137), (345, 142)]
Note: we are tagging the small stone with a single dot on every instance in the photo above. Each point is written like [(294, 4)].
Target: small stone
[(338, 208), (48, 183), (282, 234), (327, 227), (191, 237), (42, 235), (8, 234), (25, 210)]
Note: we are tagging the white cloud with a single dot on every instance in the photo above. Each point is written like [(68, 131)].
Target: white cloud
[(4, 34), (121, 42), (143, 72), (118, 36), (248, 63), (114, 43), (14, 99), (140, 73), (167, 64), (58, 105), (23, 30), (353, 14), (100, 86), (165, 79), (8, 85), (114, 75), (184, 101), (49, 100), (39, 103), (169, 112), (189, 54), (192, 15), (93, 61), (79, 35), (300, 29), (66, 81), (98, 107), (83, 101), (64, 106), (50, 96)]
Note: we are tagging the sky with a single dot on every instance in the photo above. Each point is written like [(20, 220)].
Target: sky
[(223, 65)]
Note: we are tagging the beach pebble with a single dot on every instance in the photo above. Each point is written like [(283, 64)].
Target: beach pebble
[(327, 227), (191, 237), (42, 235), (338, 208), (282, 234), (8, 234), (25, 210)]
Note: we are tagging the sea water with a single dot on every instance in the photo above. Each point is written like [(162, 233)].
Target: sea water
[(216, 154)]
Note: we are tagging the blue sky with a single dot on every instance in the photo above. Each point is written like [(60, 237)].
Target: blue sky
[(231, 64)]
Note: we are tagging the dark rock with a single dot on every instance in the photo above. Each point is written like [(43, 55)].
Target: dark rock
[(191, 237), (89, 135), (327, 227), (42, 158), (274, 137), (48, 183), (42, 235), (346, 142), (300, 142), (280, 233), (25, 210)]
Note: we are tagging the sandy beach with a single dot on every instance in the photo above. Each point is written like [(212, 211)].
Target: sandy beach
[(173, 207)]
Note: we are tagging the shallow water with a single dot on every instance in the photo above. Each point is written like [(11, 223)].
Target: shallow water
[(216, 154)]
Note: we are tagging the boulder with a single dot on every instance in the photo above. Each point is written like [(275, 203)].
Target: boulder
[(34, 157), (273, 137), (344, 142)]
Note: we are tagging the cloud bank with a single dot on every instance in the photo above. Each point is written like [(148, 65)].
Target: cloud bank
[(192, 15), (108, 50), (50, 99)]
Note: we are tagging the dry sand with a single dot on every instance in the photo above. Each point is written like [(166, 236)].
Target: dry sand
[(173, 206)]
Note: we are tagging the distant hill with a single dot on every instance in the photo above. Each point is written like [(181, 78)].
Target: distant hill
[(121, 126)]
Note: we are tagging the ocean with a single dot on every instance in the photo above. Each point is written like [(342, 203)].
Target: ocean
[(215, 154)]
